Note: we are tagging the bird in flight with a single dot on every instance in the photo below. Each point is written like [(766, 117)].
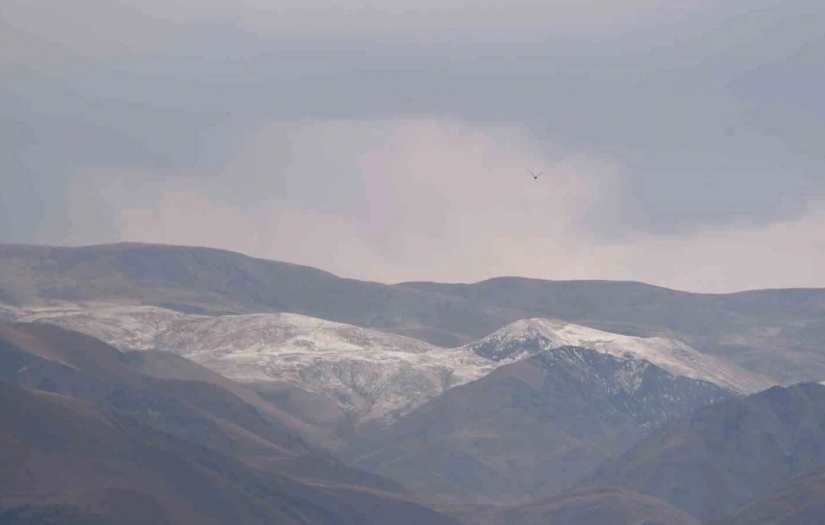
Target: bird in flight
[(535, 175)]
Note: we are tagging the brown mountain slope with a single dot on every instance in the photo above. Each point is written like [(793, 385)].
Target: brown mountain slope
[(774, 332), (533, 427), (801, 502), (49, 358), (600, 506), (64, 459), (54, 359), (307, 420), (727, 454)]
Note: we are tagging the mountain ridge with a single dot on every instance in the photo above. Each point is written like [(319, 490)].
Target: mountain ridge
[(532, 427), (772, 332), (726, 454), (372, 376)]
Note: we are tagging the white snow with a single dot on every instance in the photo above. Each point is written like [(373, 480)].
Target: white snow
[(669, 354), (373, 374), (369, 372)]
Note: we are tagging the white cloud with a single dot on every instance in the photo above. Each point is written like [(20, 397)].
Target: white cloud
[(784, 254), (383, 200), (443, 200)]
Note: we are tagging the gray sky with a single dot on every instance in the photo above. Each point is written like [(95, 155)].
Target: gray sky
[(681, 141)]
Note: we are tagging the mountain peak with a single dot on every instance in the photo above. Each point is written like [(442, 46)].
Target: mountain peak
[(532, 336)]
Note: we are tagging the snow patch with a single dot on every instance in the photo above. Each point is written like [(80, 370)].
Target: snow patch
[(531, 336), (372, 374), (368, 372)]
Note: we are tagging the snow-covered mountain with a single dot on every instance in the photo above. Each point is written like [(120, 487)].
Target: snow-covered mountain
[(532, 336), (534, 426), (371, 374)]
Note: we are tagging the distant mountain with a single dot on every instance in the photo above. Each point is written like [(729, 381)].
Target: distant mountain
[(358, 375), (533, 336), (367, 375), (727, 454), (777, 333), (611, 506), (203, 280), (800, 502), (534, 426), (69, 461)]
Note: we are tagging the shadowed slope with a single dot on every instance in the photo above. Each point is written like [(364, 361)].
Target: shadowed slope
[(724, 455), (532, 427), (64, 458), (202, 411), (611, 506), (800, 502)]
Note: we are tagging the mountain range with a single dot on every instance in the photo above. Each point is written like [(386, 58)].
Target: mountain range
[(533, 427), (284, 394), (776, 333)]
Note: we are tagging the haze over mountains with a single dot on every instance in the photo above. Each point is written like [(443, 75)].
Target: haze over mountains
[(309, 398)]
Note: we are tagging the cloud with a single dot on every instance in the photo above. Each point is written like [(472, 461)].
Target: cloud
[(785, 254), (404, 194), (401, 126), (35, 31), (445, 200), (713, 114), (107, 27)]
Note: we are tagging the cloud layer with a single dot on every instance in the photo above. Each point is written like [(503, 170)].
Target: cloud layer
[(442, 200), (390, 140)]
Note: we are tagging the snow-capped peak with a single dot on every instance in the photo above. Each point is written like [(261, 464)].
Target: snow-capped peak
[(369, 373), (531, 336)]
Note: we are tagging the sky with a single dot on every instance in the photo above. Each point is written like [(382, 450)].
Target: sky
[(680, 142)]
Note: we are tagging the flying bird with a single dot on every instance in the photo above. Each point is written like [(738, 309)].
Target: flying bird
[(535, 175)]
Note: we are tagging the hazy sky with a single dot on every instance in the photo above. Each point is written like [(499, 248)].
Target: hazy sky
[(682, 142)]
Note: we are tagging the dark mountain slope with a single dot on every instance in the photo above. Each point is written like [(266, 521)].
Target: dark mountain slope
[(801, 502), (304, 420), (774, 332), (53, 359), (611, 506), (50, 358), (727, 454), (65, 459), (534, 426)]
